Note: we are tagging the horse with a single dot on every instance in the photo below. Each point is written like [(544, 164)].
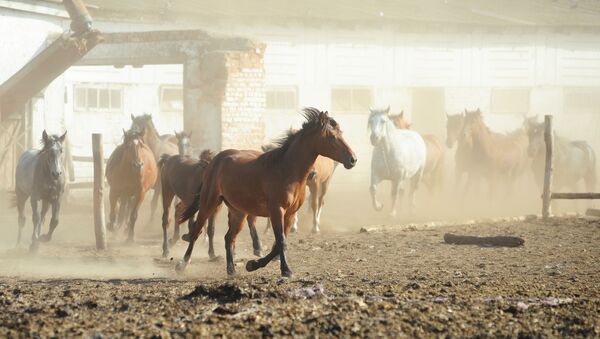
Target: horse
[(270, 184), (433, 173), (574, 161), (130, 171), (502, 157), (181, 177), (184, 143), (158, 144), (39, 176), (318, 182), (398, 155)]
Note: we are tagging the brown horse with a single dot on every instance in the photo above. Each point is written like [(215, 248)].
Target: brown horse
[(502, 157), (158, 144), (181, 176), (270, 184), (318, 182), (433, 173), (131, 170)]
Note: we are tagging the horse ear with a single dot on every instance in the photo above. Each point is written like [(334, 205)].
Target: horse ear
[(132, 117), (44, 136), (62, 137), (124, 131), (478, 110), (387, 110), (402, 114)]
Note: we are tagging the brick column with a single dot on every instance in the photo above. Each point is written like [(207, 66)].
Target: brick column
[(224, 99)]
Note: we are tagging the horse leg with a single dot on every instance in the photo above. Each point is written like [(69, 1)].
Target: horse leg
[(124, 211), (155, 196), (314, 206), (135, 205), (209, 204), (176, 228), (113, 198), (236, 222), (35, 217), (167, 199), (414, 185), (256, 244), (373, 189), (322, 191), (210, 232), (21, 199), (278, 223), (53, 220), (395, 185)]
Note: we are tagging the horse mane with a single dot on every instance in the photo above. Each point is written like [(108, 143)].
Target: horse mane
[(316, 120), (52, 138)]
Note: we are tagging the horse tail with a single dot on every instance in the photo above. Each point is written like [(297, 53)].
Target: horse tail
[(191, 209)]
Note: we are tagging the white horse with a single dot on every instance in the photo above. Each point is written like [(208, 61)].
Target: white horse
[(398, 155)]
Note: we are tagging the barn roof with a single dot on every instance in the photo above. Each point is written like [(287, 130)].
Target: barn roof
[(541, 13)]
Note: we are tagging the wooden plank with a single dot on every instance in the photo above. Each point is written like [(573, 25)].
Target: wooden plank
[(587, 195), (546, 198), (79, 158), (99, 226), (592, 212)]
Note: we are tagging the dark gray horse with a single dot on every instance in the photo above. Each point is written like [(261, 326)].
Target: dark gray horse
[(574, 161), (39, 176)]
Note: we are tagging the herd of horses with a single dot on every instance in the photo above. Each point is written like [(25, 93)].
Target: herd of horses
[(272, 183)]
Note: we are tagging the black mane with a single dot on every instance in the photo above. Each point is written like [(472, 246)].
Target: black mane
[(316, 120)]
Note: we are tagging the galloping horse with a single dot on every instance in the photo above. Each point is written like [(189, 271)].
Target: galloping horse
[(158, 144), (270, 184), (182, 176), (318, 182), (39, 176), (130, 171), (464, 164), (502, 157), (398, 155), (573, 160), (433, 173)]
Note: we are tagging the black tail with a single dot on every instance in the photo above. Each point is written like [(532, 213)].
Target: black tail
[(163, 159), (191, 209)]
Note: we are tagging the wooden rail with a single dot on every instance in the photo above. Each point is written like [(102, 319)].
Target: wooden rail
[(547, 194)]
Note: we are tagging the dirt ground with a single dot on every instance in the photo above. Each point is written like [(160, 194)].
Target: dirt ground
[(393, 281)]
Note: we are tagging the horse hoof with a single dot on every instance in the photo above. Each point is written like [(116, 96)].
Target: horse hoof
[(45, 238), (316, 230), (180, 267), (186, 237), (294, 229), (378, 207), (172, 242), (34, 248), (286, 273), (252, 265), (231, 271), (215, 258), (258, 253)]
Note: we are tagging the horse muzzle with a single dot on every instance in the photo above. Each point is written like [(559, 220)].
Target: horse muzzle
[(375, 140), (351, 162)]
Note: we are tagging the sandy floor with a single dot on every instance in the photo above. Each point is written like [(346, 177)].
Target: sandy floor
[(394, 282)]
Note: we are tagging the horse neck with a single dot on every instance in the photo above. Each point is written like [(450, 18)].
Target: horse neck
[(151, 137), (299, 159), (482, 139)]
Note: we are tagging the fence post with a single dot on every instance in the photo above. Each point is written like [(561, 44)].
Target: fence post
[(99, 226), (546, 195)]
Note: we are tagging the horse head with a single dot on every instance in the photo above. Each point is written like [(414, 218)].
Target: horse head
[(379, 120), (327, 137), (400, 121), (184, 142), (454, 128), (535, 134), (133, 140), (52, 153)]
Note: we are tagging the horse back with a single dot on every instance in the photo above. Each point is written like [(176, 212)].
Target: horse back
[(182, 175), (25, 172), (150, 172)]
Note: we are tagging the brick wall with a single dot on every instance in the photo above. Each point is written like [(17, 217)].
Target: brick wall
[(243, 106)]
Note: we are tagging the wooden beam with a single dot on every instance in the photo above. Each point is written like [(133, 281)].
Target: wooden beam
[(546, 198), (99, 226), (573, 196)]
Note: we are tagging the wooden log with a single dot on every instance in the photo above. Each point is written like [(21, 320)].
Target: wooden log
[(588, 195), (592, 212), (546, 197), (99, 226), (501, 241)]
